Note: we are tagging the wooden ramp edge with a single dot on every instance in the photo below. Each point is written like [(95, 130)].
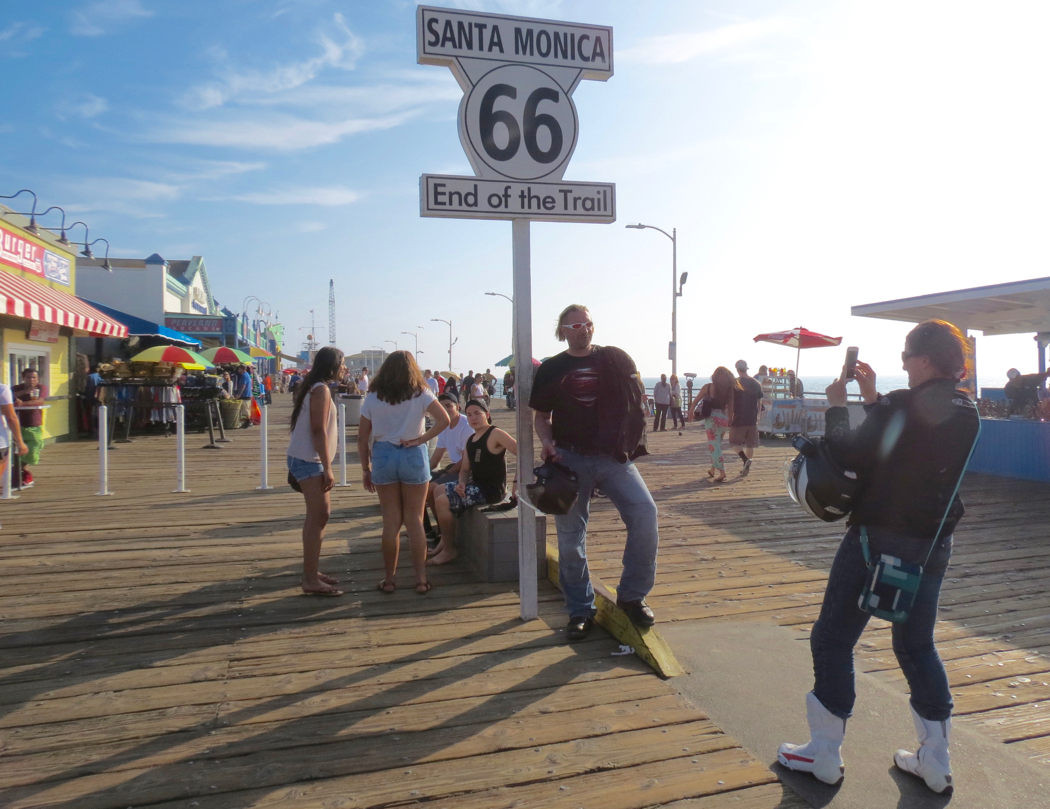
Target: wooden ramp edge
[(648, 643)]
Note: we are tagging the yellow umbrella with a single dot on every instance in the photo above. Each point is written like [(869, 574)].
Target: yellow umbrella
[(223, 355), (190, 360), (260, 352)]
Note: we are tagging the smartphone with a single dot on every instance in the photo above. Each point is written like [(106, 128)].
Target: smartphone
[(851, 361)]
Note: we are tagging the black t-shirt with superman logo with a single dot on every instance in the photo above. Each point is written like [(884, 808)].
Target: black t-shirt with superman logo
[(567, 388)]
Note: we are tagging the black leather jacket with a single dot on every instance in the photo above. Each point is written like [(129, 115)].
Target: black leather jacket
[(909, 453)]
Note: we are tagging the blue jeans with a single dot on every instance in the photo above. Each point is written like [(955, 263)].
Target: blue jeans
[(841, 623), (394, 463), (623, 485)]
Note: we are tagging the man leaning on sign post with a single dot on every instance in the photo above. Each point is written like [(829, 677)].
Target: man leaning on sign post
[(589, 417)]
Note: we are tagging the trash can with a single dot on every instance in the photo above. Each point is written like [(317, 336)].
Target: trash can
[(231, 413), (353, 408)]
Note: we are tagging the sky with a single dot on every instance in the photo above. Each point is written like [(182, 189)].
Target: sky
[(811, 155)]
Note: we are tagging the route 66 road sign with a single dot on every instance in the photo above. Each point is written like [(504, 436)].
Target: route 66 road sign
[(517, 119)]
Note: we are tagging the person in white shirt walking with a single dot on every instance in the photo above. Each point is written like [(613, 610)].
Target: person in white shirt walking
[(662, 399)]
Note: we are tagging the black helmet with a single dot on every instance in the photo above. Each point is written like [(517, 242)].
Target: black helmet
[(555, 489), (817, 483)]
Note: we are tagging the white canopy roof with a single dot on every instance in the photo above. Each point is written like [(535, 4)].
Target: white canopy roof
[(1020, 307)]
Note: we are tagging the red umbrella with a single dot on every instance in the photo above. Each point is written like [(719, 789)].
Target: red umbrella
[(798, 339)]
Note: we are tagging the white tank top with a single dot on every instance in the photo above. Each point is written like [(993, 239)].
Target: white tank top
[(301, 445)]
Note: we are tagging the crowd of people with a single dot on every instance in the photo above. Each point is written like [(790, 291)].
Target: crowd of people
[(591, 419)]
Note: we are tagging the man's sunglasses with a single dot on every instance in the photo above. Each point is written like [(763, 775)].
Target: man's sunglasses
[(577, 326)]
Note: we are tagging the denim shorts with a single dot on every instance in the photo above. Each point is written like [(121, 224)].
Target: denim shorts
[(301, 470), (393, 463)]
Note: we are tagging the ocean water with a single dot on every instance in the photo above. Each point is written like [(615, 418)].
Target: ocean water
[(816, 384)]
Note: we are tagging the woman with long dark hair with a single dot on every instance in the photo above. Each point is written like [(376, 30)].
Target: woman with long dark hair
[(396, 466), (315, 438), (717, 412)]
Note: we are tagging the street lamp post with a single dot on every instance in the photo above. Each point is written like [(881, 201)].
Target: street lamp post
[(450, 341), (676, 290), (392, 341), (501, 295), (416, 337)]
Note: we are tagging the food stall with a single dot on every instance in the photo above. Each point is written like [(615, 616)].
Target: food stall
[(1018, 445), (789, 415), (785, 413)]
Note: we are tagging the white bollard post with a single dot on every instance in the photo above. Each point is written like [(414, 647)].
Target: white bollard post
[(264, 446), (103, 451), (342, 445), (5, 493), (180, 449)]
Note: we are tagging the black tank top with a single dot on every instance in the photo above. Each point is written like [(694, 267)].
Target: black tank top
[(488, 470)]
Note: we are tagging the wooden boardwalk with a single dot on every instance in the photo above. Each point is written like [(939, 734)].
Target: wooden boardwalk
[(155, 651)]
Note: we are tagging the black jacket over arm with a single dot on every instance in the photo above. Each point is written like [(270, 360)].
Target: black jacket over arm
[(908, 453)]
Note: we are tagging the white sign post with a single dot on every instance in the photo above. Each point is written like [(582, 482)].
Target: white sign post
[(519, 127)]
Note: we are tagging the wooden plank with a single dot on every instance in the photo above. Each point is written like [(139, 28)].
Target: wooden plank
[(320, 777)]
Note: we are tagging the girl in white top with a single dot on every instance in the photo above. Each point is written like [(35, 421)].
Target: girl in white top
[(315, 438), (395, 465)]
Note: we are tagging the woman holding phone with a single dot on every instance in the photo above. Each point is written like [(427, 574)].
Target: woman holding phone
[(909, 455), (315, 438)]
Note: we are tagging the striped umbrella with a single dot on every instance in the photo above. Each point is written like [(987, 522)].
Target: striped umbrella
[(798, 339), (224, 355), (190, 360)]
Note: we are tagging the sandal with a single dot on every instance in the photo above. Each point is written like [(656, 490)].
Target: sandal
[(330, 592), (424, 587), (386, 587)]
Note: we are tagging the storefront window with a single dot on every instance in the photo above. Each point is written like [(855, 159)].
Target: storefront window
[(21, 357)]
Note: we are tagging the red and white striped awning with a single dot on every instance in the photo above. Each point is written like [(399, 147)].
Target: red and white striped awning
[(33, 301)]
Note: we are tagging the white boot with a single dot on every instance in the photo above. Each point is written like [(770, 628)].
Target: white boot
[(931, 761), (821, 755)]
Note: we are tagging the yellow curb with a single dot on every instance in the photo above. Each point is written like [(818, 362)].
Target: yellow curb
[(648, 644)]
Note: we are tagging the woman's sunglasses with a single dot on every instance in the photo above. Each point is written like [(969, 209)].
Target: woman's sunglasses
[(577, 326)]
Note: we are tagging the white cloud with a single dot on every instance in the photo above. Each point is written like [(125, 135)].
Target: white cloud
[(310, 227), (88, 106), (271, 132), (96, 18), (234, 85), (21, 32), (678, 48), (548, 9), (434, 86), (330, 196), (198, 169), (121, 195)]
